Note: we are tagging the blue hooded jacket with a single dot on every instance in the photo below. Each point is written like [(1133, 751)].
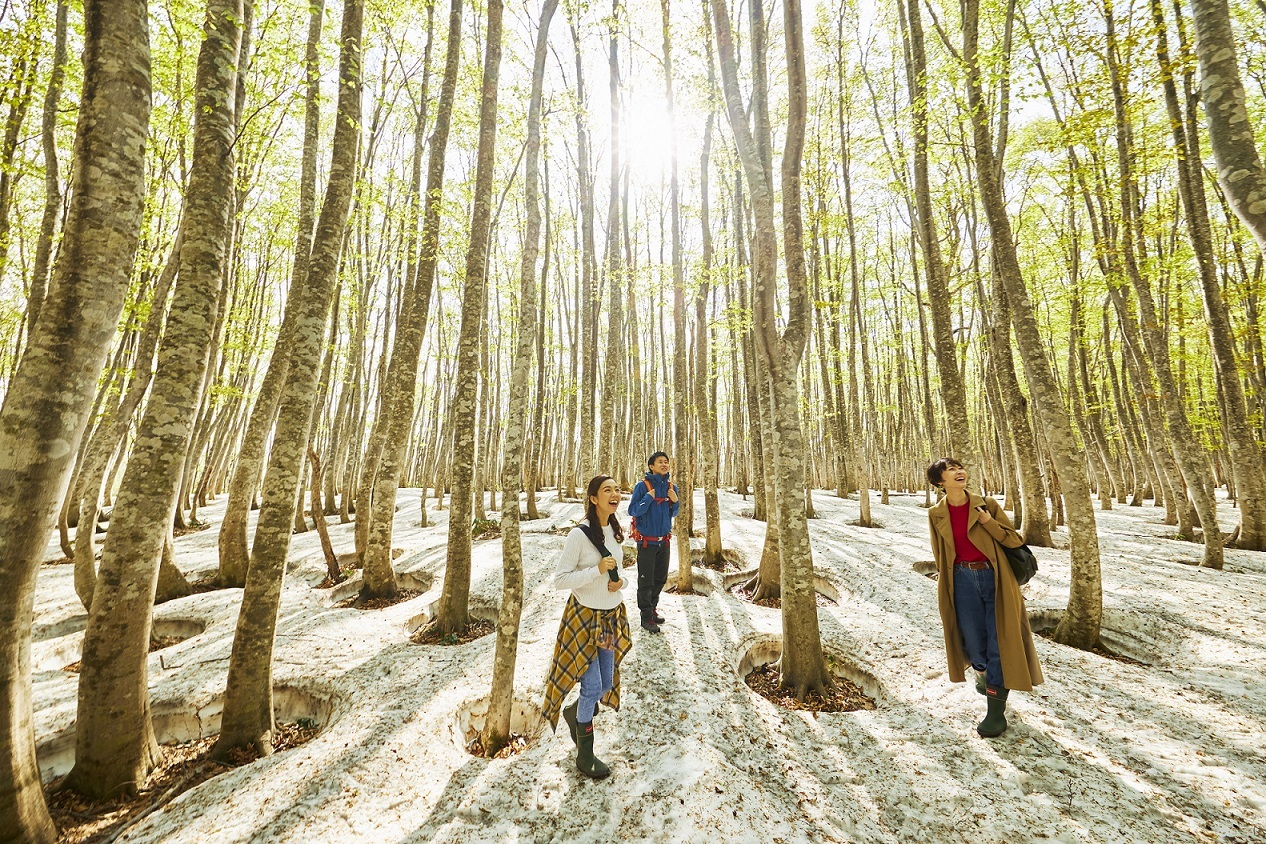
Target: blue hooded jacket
[(654, 513)]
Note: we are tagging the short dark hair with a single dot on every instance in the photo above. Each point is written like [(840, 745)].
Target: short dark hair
[(938, 467), (650, 461)]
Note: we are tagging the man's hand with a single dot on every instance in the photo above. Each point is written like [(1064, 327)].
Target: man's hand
[(614, 585), (672, 493), (606, 564)]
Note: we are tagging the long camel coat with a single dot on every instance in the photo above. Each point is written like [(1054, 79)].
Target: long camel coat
[(1020, 669)]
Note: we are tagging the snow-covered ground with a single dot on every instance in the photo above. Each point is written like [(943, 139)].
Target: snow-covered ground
[(1104, 751)]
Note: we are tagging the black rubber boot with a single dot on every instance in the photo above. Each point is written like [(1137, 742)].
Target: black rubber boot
[(648, 621), (995, 723), (980, 683), (589, 765), (569, 715)]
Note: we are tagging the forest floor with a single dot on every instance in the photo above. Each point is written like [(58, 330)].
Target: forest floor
[(1172, 749)]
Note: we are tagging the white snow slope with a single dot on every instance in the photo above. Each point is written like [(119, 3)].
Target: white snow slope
[(1104, 751)]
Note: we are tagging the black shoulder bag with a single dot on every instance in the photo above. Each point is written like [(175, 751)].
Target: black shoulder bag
[(595, 537), (1023, 563)]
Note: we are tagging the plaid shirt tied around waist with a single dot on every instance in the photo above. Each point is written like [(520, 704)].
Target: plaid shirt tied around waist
[(580, 634)]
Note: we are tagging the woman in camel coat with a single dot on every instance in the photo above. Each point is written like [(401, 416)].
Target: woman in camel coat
[(982, 610)]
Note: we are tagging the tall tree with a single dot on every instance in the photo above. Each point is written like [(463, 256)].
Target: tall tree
[(497, 726), (248, 700), (454, 611), (233, 540), (381, 470), (52, 176), (1080, 624), (1246, 456), (46, 407), (115, 747), (803, 667), (1240, 171)]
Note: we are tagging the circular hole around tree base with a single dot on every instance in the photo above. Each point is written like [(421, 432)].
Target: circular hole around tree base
[(527, 725), (700, 584), (483, 622), (730, 559), (178, 723), (927, 568), (1116, 640), (826, 593), (855, 689)]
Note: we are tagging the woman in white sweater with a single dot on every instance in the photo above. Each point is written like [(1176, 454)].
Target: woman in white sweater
[(593, 637)]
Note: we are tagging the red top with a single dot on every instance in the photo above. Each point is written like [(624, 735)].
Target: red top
[(964, 550)]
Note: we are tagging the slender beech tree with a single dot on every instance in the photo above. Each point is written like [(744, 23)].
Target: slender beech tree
[(1240, 171), (803, 667), (454, 610), (936, 276), (380, 472), (496, 730), (47, 403), (115, 747), (248, 701), (705, 377), (1079, 626), (233, 540), (52, 176), (1246, 457)]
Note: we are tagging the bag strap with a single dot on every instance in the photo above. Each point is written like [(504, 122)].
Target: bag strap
[(588, 530)]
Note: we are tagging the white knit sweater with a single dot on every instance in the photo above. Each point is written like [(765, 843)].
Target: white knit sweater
[(578, 570)]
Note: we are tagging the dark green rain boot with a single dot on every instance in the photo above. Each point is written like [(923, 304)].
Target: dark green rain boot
[(980, 683), (569, 715), (995, 723), (589, 765)]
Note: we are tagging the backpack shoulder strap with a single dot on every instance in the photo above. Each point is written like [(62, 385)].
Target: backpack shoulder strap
[(595, 538)]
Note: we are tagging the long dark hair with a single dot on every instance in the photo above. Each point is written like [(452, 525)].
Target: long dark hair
[(591, 511)]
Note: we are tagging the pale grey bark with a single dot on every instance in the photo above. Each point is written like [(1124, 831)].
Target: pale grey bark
[(453, 612), (1242, 446), (936, 276), (803, 667), (1079, 626), (248, 709), (46, 406), (233, 540), (1240, 171), (115, 747), (52, 177), (497, 726), (376, 503)]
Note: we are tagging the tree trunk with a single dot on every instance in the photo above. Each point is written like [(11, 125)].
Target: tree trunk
[(453, 612), (52, 178), (1246, 457), (1186, 450), (1079, 626), (233, 540), (1240, 171), (391, 429), (115, 747), (953, 391), (496, 730), (44, 412), (248, 702), (803, 667)]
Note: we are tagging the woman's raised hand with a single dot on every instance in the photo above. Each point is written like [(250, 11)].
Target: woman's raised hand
[(606, 564)]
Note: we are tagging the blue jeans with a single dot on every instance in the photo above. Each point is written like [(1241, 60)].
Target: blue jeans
[(595, 683), (973, 605)]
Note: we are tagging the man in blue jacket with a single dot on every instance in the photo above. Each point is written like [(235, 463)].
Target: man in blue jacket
[(653, 507)]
